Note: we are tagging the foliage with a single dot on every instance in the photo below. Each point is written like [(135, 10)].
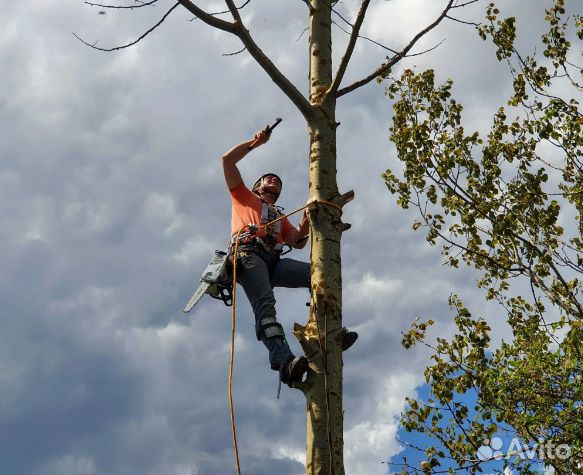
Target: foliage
[(510, 205)]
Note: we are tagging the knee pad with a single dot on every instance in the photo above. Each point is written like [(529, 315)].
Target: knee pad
[(270, 327)]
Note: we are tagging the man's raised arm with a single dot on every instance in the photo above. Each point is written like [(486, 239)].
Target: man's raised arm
[(238, 152)]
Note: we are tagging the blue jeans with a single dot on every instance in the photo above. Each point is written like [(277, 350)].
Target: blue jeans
[(258, 272)]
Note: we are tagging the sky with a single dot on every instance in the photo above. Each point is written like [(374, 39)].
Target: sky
[(112, 201)]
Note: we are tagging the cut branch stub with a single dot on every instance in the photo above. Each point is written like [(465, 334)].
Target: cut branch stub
[(346, 198)]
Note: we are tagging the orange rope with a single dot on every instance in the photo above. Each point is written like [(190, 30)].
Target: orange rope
[(232, 361), (328, 203), (233, 351)]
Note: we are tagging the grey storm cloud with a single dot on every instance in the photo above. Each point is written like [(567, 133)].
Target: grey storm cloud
[(112, 201)]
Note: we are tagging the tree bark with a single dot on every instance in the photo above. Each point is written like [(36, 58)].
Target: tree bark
[(321, 337)]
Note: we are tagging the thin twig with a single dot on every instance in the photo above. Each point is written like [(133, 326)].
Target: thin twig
[(236, 52), (396, 58), (133, 42), (350, 47), (366, 38), (227, 11), (207, 18), (464, 4), (340, 16), (238, 29), (472, 23), (378, 44), (302, 34), (426, 51), (120, 7), (223, 12)]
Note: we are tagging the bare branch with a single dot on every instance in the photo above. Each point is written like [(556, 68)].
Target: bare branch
[(302, 33), (339, 15), (275, 74), (238, 29), (397, 57), (234, 11), (120, 7), (427, 50), (366, 38), (473, 23), (378, 44), (208, 18), (461, 5), (236, 52), (540, 313), (228, 11), (349, 48), (133, 42)]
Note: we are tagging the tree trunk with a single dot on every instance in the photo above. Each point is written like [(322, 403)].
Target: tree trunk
[(321, 337)]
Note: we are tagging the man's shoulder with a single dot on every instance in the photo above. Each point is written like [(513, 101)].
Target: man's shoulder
[(240, 188)]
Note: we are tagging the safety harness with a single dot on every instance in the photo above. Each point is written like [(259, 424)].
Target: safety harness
[(268, 326), (269, 221), (217, 280)]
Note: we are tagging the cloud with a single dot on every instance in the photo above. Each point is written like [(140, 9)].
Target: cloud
[(371, 442), (70, 465), (112, 201)]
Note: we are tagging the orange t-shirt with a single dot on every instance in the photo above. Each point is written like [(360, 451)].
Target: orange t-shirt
[(246, 209)]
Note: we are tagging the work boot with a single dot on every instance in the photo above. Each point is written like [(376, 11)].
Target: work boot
[(348, 340), (293, 370)]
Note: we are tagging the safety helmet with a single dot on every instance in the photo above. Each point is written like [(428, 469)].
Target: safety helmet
[(257, 183)]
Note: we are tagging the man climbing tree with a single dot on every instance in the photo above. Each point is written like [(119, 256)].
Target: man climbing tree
[(260, 266), (322, 337)]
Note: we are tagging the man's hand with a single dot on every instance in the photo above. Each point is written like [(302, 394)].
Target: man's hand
[(260, 137), (296, 237), (305, 220)]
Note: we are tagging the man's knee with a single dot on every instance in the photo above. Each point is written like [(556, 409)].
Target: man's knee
[(264, 305)]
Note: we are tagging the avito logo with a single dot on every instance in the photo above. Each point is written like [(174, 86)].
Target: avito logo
[(492, 449)]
